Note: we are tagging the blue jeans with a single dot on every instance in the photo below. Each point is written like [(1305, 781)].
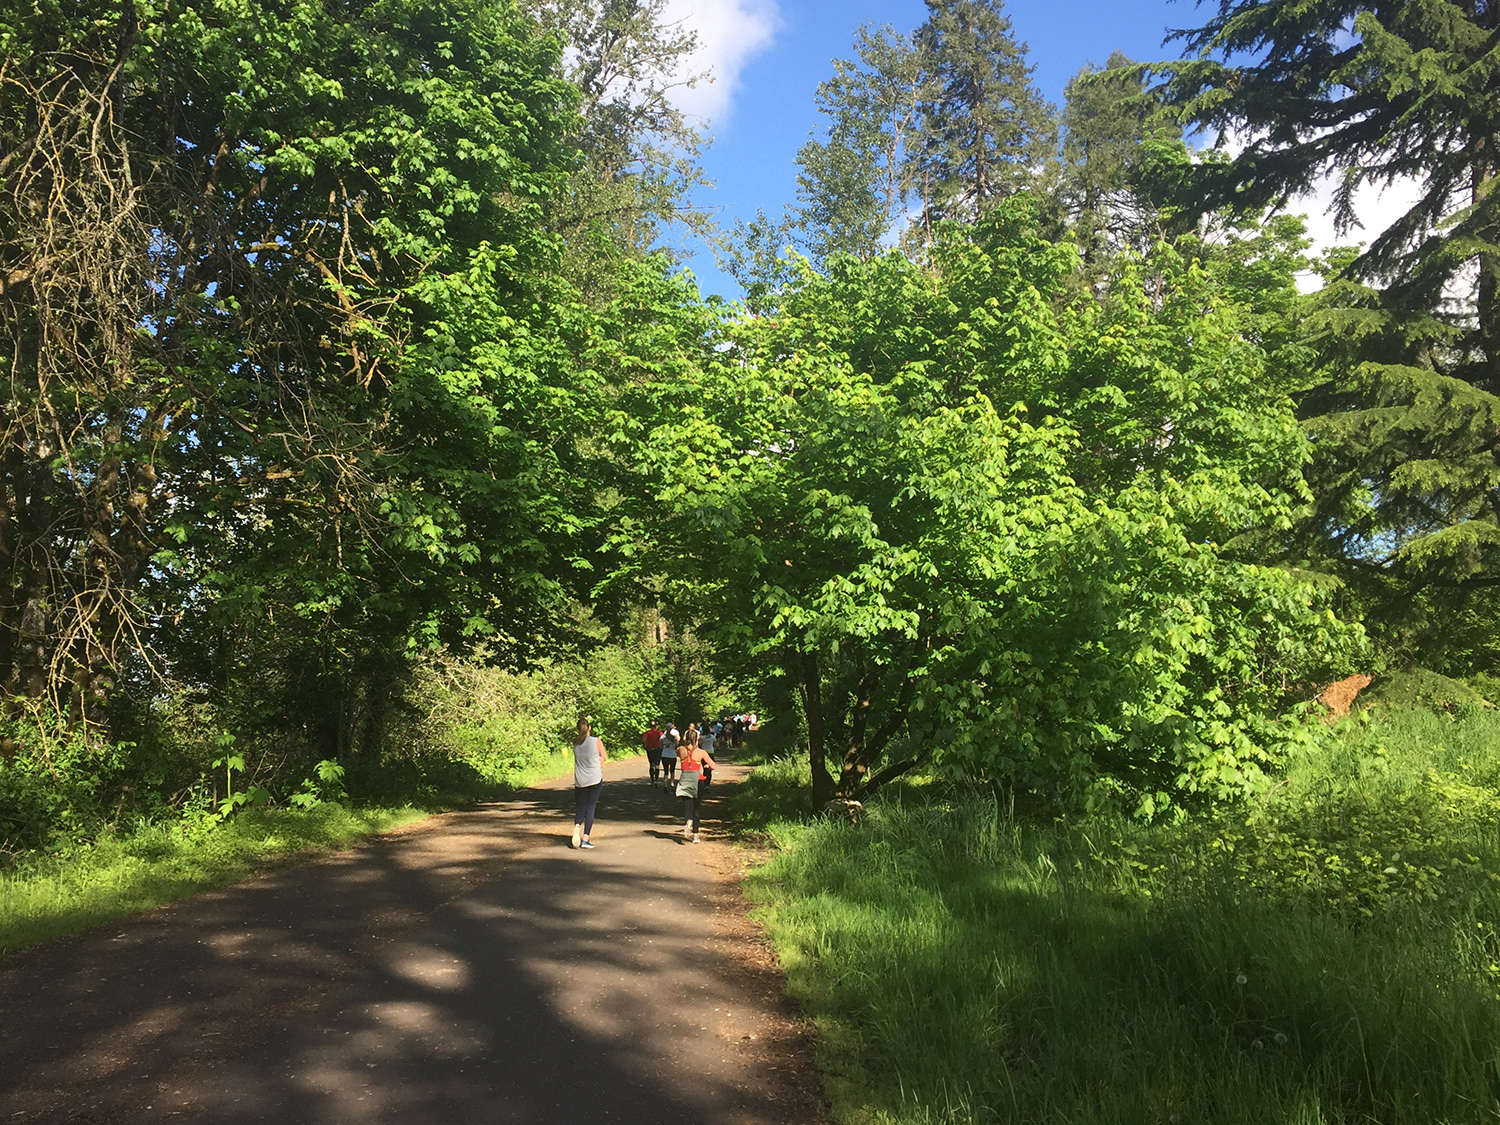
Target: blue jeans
[(585, 801)]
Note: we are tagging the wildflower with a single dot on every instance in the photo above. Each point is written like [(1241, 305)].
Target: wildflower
[(1281, 1039), (1241, 979)]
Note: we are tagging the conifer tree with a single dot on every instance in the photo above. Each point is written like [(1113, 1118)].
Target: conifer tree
[(1407, 427), (854, 188), (856, 183), (943, 121), (986, 132), (1111, 138), (1378, 93), (639, 153)]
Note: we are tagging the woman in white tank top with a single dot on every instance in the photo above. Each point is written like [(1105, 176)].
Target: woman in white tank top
[(588, 781)]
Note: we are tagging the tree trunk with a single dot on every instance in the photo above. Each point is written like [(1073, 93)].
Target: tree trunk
[(1489, 279), (864, 751), (854, 766), (9, 483), (34, 519), (812, 704)]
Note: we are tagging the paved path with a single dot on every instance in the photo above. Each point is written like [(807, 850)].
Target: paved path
[(472, 968)]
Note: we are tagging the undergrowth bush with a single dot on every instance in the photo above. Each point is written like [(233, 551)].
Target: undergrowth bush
[(460, 730), (1325, 954), (1400, 811), (504, 725), (59, 785)]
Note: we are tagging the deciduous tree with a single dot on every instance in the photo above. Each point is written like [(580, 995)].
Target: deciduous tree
[(280, 342), (982, 516)]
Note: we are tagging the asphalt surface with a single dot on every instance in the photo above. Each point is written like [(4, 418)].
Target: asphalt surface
[(473, 968)]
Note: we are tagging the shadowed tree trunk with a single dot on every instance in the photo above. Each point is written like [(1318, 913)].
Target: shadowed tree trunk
[(812, 705)]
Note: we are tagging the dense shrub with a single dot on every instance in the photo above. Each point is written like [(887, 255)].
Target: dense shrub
[(458, 729), (503, 724)]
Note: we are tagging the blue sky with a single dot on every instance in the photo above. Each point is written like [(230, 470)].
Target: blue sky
[(768, 58)]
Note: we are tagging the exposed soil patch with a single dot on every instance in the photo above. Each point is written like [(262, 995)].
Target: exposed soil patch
[(786, 1049)]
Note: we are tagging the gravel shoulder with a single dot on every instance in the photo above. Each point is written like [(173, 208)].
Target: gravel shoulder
[(468, 968)]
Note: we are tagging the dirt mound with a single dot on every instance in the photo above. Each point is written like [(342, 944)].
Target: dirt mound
[(1338, 697)]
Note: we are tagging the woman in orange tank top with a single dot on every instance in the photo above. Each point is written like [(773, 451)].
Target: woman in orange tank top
[(691, 759)]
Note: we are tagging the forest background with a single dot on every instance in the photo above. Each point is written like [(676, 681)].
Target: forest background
[(359, 432)]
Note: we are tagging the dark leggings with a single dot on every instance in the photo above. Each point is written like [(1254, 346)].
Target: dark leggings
[(654, 758), (690, 811), (585, 801)]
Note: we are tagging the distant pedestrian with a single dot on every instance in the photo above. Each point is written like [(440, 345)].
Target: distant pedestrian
[(652, 742), (706, 744), (588, 781), (691, 761), (669, 743)]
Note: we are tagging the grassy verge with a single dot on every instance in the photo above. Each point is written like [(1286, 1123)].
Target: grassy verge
[(48, 894), (1327, 954)]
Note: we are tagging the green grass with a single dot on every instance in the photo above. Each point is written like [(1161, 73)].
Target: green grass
[(48, 895), (777, 793), (1326, 954)]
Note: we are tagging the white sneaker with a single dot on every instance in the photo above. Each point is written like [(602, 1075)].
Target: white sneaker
[(687, 831), (695, 837), (577, 835)]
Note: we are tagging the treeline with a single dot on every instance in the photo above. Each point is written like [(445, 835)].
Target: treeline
[(300, 304), (335, 338), (1401, 344)]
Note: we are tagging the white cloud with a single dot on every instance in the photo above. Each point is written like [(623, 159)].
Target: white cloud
[(730, 34), (1376, 208)]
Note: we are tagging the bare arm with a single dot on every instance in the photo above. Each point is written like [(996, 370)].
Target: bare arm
[(599, 742)]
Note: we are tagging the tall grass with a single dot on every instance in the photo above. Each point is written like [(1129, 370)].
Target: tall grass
[(1326, 954)]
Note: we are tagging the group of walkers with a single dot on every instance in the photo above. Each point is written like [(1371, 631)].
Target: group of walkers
[(680, 761)]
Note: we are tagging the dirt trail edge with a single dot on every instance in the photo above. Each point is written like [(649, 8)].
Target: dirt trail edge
[(471, 968)]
